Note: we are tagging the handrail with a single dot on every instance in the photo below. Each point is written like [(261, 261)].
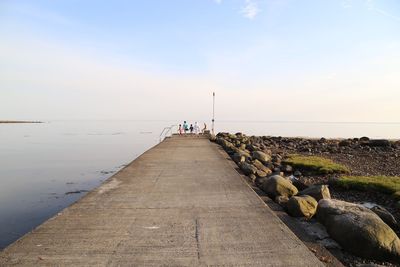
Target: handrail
[(169, 131)]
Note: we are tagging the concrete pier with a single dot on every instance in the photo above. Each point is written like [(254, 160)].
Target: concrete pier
[(181, 203)]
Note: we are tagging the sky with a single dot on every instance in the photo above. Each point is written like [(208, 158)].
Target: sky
[(266, 60)]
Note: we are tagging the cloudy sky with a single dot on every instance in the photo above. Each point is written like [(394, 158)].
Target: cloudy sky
[(308, 60)]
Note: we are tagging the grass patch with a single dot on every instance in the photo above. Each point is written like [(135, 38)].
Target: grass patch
[(315, 164), (384, 184)]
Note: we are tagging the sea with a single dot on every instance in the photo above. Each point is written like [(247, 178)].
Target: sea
[(45, 167)]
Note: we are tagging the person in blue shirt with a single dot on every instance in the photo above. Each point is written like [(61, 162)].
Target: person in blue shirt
[(185, 127)]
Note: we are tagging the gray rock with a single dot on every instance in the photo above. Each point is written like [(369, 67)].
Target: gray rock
[(247, 168), (261, 173), (386, 216), (397, 144), (261, 166), (232, 136), (240, 156), (253, 178), (287, 168), (260, 180), (251, 147), (302, 206), (317, 191), (282, 201), (359, 230), (300, 185), (219, 140), (278, 186), (261, 156), (232, 150), (277, 170), (228, 146), (379, 143), (345, 142)]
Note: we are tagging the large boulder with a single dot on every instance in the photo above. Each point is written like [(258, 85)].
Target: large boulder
[(228, 146), (276, 185), (317, 191), (251, 147), (261, 166), (379, 143), (386, 216), (232, 136), (300, 185), (247, 168), (261, 174), (261, 156), (240, 156), (346, 142), (302, 206), (359, 230), (260, 180)]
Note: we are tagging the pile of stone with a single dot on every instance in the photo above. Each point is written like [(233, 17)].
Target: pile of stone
[(364, 232), (322, 145)]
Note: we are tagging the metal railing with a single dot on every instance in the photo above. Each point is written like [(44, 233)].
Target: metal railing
[(167, 130)]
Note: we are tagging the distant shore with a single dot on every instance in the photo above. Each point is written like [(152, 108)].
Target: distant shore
[(21, 121)]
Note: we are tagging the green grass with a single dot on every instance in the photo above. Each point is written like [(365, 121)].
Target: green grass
[(384, 184), (317, 165)]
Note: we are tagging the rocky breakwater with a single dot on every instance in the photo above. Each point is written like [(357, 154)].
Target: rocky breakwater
[(359, 230), (268, 163)]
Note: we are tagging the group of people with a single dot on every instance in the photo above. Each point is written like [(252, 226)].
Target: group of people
[(192, 129)]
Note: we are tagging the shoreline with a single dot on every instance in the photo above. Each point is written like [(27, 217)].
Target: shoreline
[(286, 157), (4, 121)]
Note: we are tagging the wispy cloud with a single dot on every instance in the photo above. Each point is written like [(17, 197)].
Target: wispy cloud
[(371, 6), (250, 9), (218, 1)]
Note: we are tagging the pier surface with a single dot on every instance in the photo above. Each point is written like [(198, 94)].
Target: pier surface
[(181, 203)]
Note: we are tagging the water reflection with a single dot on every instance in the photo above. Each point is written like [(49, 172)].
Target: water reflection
[(46, 167)]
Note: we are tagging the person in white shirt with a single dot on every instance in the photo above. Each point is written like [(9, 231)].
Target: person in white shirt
[(196, 128)]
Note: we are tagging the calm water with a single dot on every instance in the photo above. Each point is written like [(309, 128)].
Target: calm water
[(40, 163)]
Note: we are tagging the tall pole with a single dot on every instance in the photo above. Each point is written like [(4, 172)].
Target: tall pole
[(213, 117)]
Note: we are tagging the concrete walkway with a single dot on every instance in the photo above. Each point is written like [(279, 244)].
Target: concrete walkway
[(180, 203)]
